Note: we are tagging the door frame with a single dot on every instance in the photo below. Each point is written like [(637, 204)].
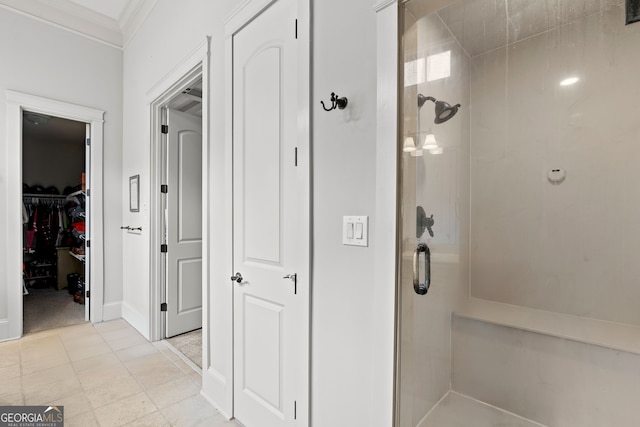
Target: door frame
[(233, 24), (194, 67), (17, 102)]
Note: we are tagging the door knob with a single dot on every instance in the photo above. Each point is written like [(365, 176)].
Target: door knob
[(237, 277)]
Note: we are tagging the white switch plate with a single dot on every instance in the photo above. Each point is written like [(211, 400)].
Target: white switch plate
[(351, 225)]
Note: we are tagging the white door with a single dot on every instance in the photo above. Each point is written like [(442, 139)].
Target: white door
[(267, 210), (184, 223)]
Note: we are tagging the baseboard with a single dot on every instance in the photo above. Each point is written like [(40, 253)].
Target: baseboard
[(213, 403), (135, 319), (5, 331), (112, 311)]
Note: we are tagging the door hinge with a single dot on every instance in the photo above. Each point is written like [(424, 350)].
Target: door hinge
[(87, 293), (88, 243), (163, 306), (164, 129), (88, 193), (296, 29), (295, 410), (164, 188), (164, 248), (296, 157), (88, 141)]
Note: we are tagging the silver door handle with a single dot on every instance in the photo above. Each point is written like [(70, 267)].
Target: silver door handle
[(293, 276), (421, 288), (237, 277)]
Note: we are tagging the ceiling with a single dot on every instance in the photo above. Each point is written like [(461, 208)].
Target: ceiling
[(113, 22), (40, 127)]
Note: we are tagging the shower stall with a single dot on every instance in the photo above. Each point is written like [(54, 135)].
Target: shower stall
[(519, 276)]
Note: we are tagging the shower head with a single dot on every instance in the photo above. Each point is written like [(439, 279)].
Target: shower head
[(444, 111)]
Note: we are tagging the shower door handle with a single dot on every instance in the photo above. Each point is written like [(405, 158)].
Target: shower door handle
[(421, 288)]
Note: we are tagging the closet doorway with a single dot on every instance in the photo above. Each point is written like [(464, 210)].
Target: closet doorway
[(177, 206), (12, 244), (55, 167)]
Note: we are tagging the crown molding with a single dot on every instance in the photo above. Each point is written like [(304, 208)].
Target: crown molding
[(133, 16), (84, 21), (72, 17)]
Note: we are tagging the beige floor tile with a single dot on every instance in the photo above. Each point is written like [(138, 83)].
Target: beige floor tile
[(122, 333), (155, 419), (32, 347), (42, 353), (190, 412), (92, 378), (75, 341), (139, 364), (74, 405), (196, 377), (90, 350), (172, 392), (11, 371), (52, 392), (103, 361), (40, 335), (78, 331), (10, 385), (11, 399), (47, 376), (126, 342), (113, 391), (111, 325), (157, 375), (125, 411), (87, 419), (133, 352), (11, 391), (9, 353)]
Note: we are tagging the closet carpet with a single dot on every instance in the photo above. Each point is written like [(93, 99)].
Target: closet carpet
[(190, 345), (47, 309)]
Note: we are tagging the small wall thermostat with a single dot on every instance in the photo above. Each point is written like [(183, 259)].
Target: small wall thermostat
[(556, 175)]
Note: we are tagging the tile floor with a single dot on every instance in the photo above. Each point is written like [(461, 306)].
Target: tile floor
[(105, 374)]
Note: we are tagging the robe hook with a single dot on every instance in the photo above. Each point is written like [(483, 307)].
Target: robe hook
[(340, 103)]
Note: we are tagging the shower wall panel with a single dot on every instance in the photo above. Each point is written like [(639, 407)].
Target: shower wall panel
[(569, 247)]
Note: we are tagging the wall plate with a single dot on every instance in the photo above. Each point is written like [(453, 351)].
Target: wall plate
[(355, 230)]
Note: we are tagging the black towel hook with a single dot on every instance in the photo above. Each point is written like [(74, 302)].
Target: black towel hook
[(340, 103)]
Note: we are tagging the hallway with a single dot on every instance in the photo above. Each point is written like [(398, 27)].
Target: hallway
[(105, 374)]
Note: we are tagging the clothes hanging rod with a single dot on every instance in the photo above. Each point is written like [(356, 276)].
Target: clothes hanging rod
[(44, 196)]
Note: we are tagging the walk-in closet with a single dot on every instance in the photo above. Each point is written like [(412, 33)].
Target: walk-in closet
[(54, 217)]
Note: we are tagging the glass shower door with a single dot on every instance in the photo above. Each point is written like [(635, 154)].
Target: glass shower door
[(434, 194)]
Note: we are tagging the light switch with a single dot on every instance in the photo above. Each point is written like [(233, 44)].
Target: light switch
[(355, 230)]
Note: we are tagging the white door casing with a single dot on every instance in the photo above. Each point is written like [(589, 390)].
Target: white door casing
[(11, 327), (88, 219), (184, 223), (270, 224)]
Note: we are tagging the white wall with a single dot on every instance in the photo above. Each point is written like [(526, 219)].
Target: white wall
[(48, 62), (343, 174)]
